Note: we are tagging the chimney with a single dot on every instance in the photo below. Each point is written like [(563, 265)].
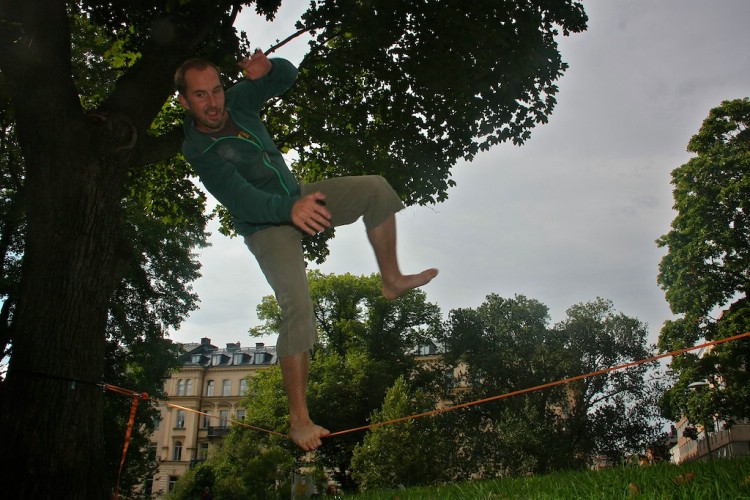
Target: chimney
[(205, 341)]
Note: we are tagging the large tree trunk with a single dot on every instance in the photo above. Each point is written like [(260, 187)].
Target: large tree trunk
[(51, 406)]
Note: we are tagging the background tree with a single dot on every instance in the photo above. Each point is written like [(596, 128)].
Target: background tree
[(502, 346), (507, 345), (11, 219), (705, 271), (353, 316), (247, 466), (78, 160), (342, 391), (615, 414), (366, 343), (409, 453)]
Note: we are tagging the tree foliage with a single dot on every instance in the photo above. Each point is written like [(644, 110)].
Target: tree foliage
[(706, 270), (615, 414), (12, 220), (455, 77), (344, 393), (502, 346), (353, 316), (245, 467), (507, 345), (708, 262), (366, 343), (408, 453)]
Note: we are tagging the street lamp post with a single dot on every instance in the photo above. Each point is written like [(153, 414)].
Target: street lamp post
[(698, 387)]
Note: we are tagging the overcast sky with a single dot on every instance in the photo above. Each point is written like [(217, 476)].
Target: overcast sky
[(570, 216)]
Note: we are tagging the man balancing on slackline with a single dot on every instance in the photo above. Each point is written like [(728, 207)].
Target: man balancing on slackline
[(237, 161)]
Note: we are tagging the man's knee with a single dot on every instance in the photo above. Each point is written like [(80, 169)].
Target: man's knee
[(381, 185), (297, 330), (385, 202)]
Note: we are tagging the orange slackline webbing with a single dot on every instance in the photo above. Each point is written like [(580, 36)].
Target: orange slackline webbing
[(128, 433), (144, 396), (136, 397), (543, 386)]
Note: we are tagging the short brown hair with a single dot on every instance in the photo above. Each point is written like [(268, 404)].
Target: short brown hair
[(196, 63)]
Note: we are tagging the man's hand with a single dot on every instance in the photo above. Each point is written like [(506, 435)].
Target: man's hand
[(310, 215), (257, 66)]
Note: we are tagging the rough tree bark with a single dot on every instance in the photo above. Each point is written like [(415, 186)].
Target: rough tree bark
[(76, 167)]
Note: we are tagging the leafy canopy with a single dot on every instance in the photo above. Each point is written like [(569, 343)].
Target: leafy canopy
[(405, 89), (366, 342), (506, 345), (706, 270)]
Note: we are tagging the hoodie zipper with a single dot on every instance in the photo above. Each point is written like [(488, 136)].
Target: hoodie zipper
[(266, 158)]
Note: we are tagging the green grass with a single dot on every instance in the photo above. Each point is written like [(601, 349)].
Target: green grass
[(720, 479)]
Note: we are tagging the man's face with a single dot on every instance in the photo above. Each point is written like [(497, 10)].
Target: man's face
[(204, 99)]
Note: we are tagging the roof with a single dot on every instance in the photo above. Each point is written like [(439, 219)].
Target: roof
[(206, 354)]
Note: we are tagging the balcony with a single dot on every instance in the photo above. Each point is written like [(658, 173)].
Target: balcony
[(726, 443), (218, 431)]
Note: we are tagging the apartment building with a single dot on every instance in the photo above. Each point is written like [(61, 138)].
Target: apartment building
[(725, 442), (213, 381)]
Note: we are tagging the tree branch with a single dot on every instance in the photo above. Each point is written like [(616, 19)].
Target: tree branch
[(161, 148), (156, 66), (287, 40)]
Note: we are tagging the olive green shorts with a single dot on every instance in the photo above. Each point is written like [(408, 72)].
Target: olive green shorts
[(278, 251)]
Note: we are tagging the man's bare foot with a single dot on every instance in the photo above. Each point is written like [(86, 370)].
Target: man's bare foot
[(307, 435), (406, 282)]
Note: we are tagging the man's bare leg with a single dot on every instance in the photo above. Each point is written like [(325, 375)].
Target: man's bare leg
[(395, 284), (302, 430)]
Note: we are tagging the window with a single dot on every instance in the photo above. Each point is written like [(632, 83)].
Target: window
[(202, 451), (216, 359), (226, 387), (207, 419), (172, 482), (210, 388), (189, 387), (238, 358), (243, 387), (449, 378), (223, 419), (157, 422), (180, 387), (180, 424), (260, 358), (427, 349), (196, 359), (241, 412), (177, 453)]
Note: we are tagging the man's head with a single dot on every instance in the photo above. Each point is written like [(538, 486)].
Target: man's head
[(201, 93)]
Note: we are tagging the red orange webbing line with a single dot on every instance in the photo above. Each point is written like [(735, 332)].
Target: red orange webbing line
[(143, 396), (543, 386)]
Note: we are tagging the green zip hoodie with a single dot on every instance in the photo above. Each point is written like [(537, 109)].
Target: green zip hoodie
[(247, 175)]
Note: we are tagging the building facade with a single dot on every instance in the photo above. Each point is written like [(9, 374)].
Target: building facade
[(727, 442), (212, 380)]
